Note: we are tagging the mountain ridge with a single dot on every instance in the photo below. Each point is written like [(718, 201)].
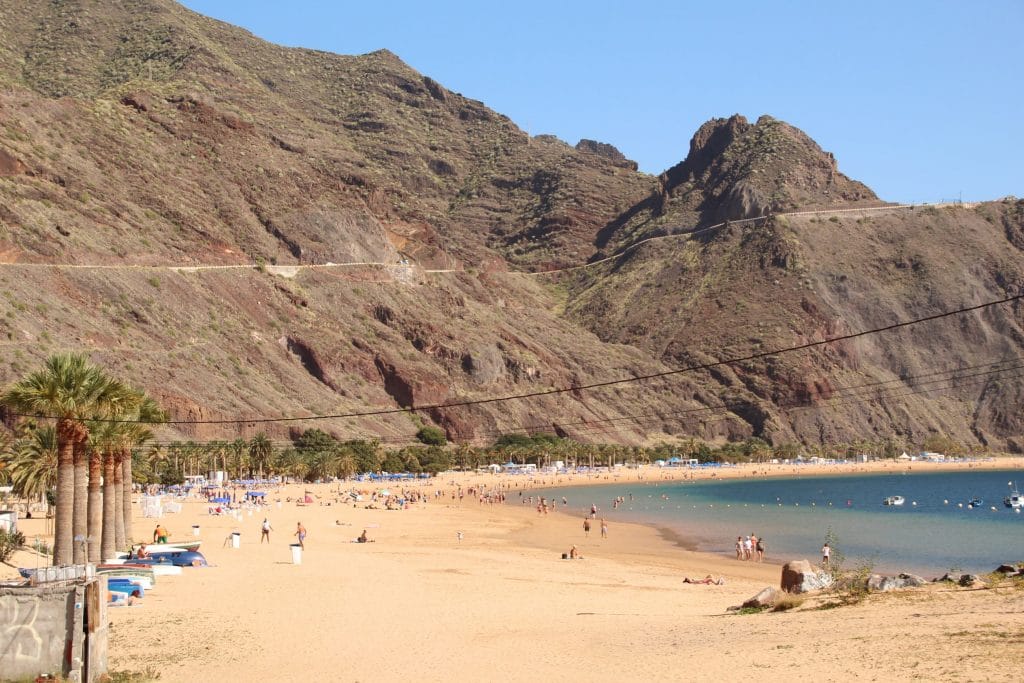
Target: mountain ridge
[(178, 139)]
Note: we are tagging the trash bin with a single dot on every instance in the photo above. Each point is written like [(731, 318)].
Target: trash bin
[(296, 553), (236, 539), (195, 529)]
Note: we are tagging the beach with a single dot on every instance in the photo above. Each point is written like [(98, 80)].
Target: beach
[(500, 603)]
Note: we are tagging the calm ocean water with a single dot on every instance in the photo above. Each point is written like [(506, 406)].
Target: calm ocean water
[(794, 516)]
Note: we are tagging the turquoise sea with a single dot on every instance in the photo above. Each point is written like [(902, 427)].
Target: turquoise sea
[(933, 532)]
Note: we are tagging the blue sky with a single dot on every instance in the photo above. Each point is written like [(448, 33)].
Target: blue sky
[(922, 101)]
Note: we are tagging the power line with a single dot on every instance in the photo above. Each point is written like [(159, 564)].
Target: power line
[(608, 383), (604, 425), (690, 369), (573, 388)]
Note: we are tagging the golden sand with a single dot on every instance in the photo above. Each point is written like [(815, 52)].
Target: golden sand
[(500, 604)]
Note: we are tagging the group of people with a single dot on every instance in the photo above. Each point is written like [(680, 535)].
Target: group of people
[(750, 548), (266, 528), (586, 527)]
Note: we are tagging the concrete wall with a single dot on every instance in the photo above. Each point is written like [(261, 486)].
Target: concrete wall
[(43, 630)]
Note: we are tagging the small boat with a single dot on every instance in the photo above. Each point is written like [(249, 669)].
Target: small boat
[(1015, 500), (140, 573), (177, 558), (975, 503), (894, 500), (151, 548)]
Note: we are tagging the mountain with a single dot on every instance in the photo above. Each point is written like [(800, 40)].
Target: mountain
[(141, 143)]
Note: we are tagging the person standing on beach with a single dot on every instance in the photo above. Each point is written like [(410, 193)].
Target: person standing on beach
[(825, 553), (739, 547), (760, 550), (604, 528), (300, 531), (265, 530), (586, 526)]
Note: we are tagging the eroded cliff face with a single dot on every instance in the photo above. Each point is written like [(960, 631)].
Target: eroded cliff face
[(788, 281), (137, 136)]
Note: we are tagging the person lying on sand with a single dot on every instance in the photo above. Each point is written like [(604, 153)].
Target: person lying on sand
[(720, 581)]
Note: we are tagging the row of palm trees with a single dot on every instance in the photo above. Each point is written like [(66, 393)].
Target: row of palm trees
[(76, 421)]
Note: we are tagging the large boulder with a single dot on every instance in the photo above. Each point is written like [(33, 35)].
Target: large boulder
[(766, 598), (971, 581), (877, 582), (799, 576)]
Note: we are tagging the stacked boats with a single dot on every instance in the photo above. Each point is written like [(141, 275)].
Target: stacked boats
[(130, 576)]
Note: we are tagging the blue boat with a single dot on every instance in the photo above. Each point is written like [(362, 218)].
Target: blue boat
[(178, 558)]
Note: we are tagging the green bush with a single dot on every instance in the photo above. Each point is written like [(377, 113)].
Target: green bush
[(9, 542), (432, 436)]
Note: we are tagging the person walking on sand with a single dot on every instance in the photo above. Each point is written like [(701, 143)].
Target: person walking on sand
[(739, 547), (604, 528), (300, 531), (825, 553), (160, 534), (586, 526), (265, 530)]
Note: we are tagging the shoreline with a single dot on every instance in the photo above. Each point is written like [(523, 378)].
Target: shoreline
[(697, 543)]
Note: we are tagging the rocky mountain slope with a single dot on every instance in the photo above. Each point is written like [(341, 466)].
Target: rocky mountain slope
[(138, 135)]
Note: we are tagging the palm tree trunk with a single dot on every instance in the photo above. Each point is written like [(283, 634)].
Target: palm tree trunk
[(95, 506), (108, 545), (63, 531), (80, 510), (120, 540), (126, 492)]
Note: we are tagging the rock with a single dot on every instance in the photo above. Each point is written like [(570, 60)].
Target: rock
[(10, 166), (947, 577), (603, 149), (882, 584), (766, 598), (1006, 569), (970, 581), (913, 580), (798, 576)]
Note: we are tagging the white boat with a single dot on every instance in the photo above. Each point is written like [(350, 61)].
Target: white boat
[(1015, 500), (894, 500)]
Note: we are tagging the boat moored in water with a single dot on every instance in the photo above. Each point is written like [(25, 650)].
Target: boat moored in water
[(894, 500)]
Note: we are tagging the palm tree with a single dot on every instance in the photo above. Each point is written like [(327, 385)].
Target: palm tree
[(145, 412), (261, 452), (67, 389), (240, 456), (32, 463), (100, 443)]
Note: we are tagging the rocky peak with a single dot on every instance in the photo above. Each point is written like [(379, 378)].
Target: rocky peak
[(737, 170), (610, 152)]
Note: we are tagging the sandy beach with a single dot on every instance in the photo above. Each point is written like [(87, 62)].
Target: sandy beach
[(501, 604)]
